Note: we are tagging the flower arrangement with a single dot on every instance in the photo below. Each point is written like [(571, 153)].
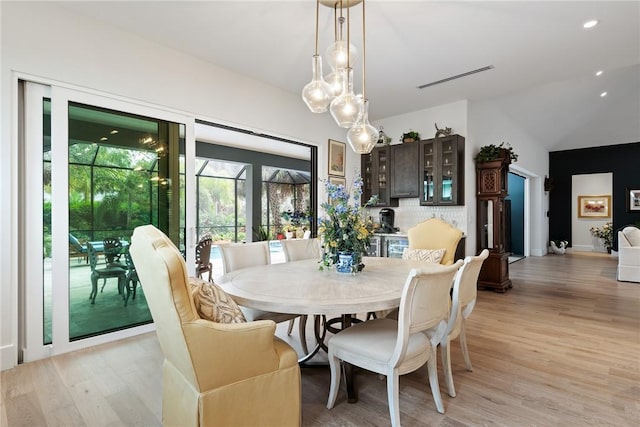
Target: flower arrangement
[(344, 227), (605, 233)]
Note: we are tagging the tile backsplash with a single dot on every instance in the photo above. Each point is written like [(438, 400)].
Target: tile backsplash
[(409, 213)]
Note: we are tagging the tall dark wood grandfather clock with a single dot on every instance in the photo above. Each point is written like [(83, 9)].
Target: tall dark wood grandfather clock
[(492, 189)]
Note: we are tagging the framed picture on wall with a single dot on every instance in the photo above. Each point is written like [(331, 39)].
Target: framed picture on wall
[(594, 206), (633, 199), (337, 157)]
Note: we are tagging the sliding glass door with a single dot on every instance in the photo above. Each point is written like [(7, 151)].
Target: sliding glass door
[(94, 169)]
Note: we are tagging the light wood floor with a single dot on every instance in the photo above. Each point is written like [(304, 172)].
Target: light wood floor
[(561, 348)]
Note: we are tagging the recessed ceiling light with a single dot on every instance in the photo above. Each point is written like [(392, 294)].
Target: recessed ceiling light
[(598, 73), (603, 94), (113, 132), (104, 138), (590, 24)]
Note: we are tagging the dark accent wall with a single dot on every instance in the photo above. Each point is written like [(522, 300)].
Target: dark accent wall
[(622, 160)]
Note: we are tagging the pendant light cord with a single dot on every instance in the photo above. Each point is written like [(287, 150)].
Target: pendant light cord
[(317, 20), (364, 55), (348, 35)]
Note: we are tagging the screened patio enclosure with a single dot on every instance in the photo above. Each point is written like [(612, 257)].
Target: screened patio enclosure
[(222, 199)]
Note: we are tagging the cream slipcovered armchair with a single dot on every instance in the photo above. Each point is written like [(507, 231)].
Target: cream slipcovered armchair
[(235, 374), (435, 234), (629, 254)]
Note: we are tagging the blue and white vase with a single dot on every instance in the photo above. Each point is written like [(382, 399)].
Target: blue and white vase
[(345, 262)]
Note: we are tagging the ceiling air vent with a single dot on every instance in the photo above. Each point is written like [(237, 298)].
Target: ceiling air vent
[(458, 76)]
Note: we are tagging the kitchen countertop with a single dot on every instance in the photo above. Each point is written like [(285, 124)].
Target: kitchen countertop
[(398, 234)]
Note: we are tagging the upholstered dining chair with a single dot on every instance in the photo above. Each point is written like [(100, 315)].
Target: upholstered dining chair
[(226, 374), (299, 249), (396, 347), (435, 234), (296, 250), (203, 257), (243, 255), (463, 300), (107, 272)]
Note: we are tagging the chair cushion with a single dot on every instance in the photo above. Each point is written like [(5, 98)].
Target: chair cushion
[(633, 235), (213, 303), (426, 255), (371, 344)]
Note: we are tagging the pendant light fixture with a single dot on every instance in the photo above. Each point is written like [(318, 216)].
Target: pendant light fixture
[(337, 55), (317, 93), (362, 136), (347, 107), (349, 110)]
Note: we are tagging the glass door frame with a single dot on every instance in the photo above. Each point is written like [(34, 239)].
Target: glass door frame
[(31, 309)]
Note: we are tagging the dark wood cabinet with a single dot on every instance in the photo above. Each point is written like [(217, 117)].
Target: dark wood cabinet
[(404, 170), (375, 171), (492, 188), (441, 166)]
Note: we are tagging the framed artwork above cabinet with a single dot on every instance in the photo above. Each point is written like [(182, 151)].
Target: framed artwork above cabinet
[(441, 170)]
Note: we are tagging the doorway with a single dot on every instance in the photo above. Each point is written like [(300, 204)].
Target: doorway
[(93, 168), (515, 217)]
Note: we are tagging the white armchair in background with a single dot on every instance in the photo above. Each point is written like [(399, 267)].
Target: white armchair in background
[(629, 254)]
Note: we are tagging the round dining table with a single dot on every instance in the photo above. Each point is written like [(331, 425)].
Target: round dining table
[(300, 287)]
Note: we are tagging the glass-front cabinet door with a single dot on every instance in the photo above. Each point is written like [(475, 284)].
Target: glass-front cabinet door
[(428, 158), (448, 171), (382, 161), (442, 168), (375, 168)]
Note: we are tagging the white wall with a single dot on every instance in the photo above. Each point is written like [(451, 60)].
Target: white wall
[(595, 184)]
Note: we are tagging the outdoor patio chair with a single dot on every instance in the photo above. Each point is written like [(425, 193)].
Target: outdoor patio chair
[(105, 273)]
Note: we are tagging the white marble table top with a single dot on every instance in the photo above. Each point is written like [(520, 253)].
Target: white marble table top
[(299, 287)]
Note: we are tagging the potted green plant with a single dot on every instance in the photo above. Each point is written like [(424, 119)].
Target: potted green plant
[(411, 136), (491, 152)]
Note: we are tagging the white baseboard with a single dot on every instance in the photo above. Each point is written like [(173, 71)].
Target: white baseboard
[(8, 357), (537, 252), (583, 248)]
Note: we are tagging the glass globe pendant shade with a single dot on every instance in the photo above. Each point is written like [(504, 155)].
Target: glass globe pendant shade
[(336, 81), (347, 107), (362, 136), (317, 93), (336, 55)]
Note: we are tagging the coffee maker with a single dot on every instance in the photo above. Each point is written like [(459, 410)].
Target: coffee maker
[(387, 217)]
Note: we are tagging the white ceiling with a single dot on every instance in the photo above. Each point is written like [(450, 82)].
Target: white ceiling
[(544, 60)]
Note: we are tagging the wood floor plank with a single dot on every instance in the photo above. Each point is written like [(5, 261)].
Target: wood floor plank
[(24, 410), (561, 348), (94, 408)]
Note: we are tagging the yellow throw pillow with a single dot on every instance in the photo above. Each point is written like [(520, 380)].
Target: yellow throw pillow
[(426, 255), (213, 303)]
